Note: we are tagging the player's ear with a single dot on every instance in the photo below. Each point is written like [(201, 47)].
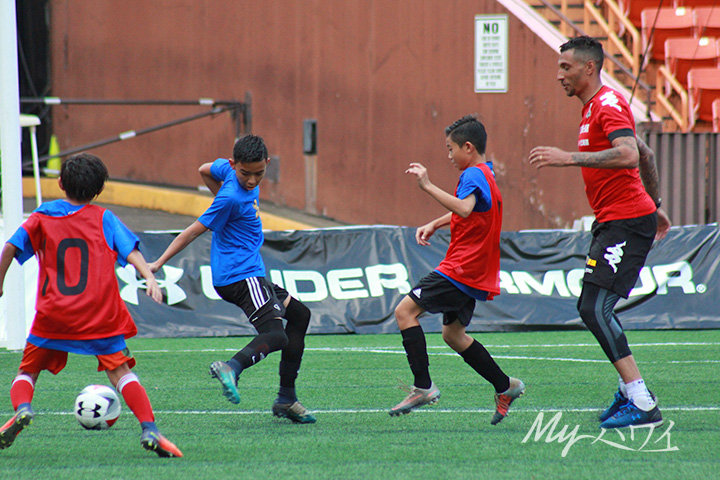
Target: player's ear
[(468, 147), (60, 184), (590, 67)]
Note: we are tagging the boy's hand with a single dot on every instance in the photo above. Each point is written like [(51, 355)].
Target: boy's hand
[(423, 234), (421, 173), (154, 267), (153, 290)]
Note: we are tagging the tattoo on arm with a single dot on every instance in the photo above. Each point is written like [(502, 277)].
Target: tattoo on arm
[(648, 170), (619, 156)]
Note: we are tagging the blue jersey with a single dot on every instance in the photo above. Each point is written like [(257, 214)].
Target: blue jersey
[(234, 218), (472, 181)]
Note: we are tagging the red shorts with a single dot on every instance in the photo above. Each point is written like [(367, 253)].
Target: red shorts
[(36, 359)]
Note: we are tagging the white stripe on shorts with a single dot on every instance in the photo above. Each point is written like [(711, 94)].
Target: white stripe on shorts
[(256, 292)]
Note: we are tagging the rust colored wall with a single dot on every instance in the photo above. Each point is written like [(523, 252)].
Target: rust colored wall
[(383, 79)]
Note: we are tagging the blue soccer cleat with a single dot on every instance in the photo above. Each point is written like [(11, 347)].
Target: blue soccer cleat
[(617, 403), (630, 415)]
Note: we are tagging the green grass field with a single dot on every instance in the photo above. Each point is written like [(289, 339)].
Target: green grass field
[(349, 382)]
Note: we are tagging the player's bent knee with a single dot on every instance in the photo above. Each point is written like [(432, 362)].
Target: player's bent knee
[(297, 313)]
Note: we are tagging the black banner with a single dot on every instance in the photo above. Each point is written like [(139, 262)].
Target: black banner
[(352, 279)]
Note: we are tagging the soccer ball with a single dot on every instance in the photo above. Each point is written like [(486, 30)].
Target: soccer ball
[(97, 407)]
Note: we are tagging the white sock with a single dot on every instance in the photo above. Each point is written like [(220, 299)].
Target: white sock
[(639, 394), (622, 386)]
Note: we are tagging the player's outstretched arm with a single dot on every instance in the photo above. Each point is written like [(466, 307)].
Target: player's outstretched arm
[(208, 179), (462, 207), (8, 253), (137, 260), (623, 154), (179, 243)]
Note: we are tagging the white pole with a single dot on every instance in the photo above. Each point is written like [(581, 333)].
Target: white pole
[(12, 209)]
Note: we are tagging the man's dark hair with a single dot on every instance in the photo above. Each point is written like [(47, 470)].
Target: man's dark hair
[(83, 177), (585, 48), (250, 148), (468, 129)]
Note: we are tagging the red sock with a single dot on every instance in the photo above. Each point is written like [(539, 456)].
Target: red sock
[(136, 398), (22, 390)]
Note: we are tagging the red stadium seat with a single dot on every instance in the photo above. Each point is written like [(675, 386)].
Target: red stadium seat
[(671, 22), (684, 53), (694, 3), (707, 21), (703, 90), (716, 115), (633, 8)]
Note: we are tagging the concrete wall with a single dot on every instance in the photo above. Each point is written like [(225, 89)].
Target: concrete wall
[(383, 79)]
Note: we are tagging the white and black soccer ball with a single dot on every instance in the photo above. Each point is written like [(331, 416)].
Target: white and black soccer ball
[(97, 407)]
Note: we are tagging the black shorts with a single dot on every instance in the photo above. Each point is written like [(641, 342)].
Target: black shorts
[(436, 294), (618, 252), (259, 299)]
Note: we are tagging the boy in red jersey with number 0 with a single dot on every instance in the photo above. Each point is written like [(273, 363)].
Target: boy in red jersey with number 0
[(469, 272), (78, 306)]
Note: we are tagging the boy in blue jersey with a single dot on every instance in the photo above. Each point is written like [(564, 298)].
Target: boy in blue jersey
[(238, 274), (78, 306)]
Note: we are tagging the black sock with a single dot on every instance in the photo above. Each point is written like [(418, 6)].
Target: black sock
[(287, 395), (416, 350), (480, 360), (288, 373)]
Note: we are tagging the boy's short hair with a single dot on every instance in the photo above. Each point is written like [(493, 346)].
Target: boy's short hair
[(83, 176), (468, 129), (250, 148), (585, 48)]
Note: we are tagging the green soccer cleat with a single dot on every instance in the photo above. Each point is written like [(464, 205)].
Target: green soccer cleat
[(226, 375), (294, 411)]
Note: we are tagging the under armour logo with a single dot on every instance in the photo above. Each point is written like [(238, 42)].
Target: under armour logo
[(614, 255), (129, 292), (92, 412), (611, 100)]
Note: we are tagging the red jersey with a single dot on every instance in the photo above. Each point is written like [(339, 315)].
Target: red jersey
[(614, 194), (473, 257), (78, 295)]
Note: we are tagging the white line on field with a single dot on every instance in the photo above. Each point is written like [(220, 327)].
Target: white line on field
[(422, 410), (394, 349)]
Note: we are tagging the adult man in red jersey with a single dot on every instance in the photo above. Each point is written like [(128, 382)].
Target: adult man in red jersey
[(621, 184)]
